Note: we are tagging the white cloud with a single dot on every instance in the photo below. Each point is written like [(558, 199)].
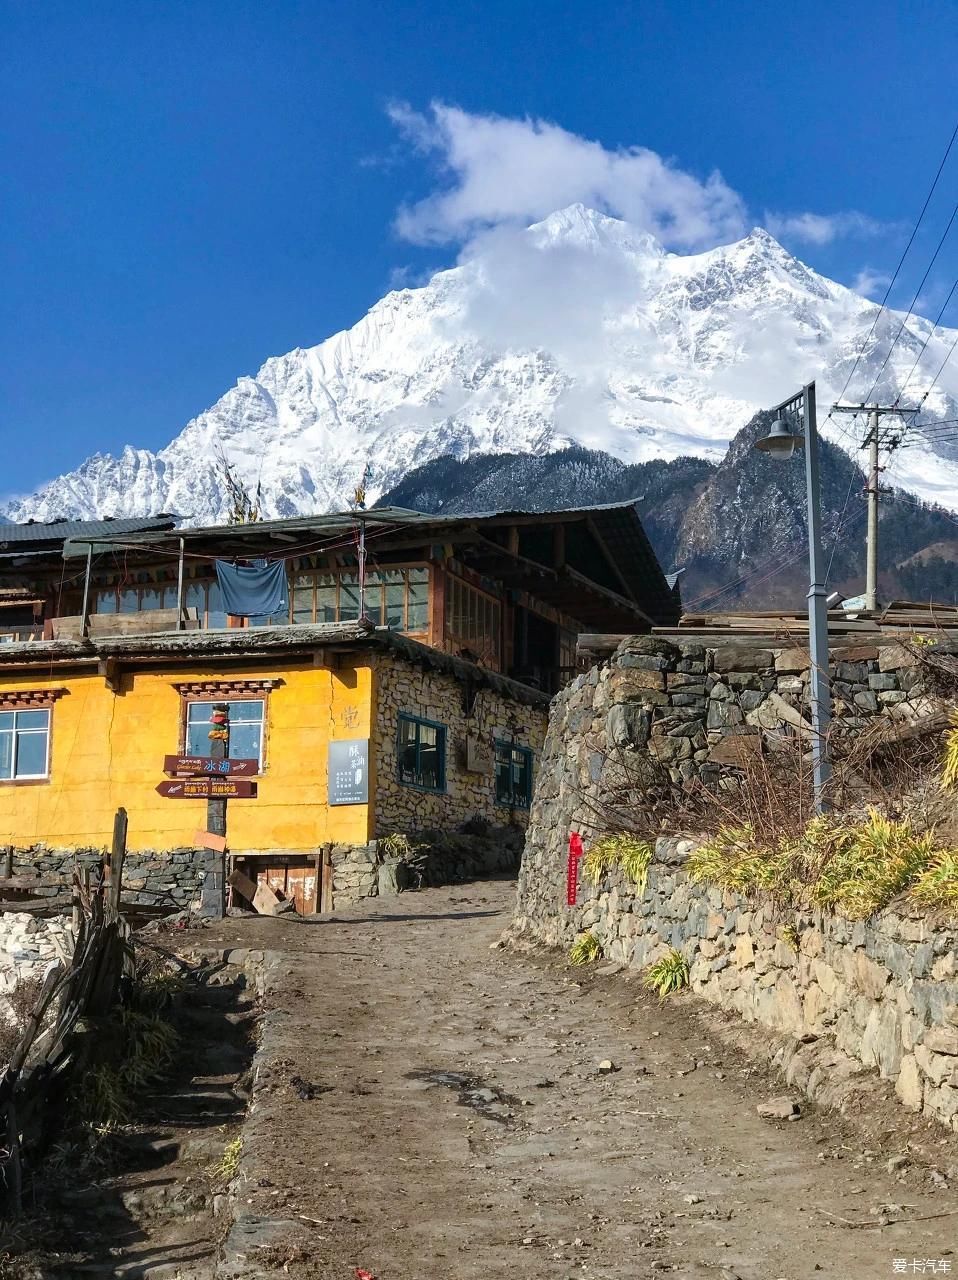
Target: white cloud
[(822, 228), (501, 172), (870, 283)]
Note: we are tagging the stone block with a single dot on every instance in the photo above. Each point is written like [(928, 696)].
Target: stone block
[(893, 657), (869, 977), (744, 951), (882, 682), (936, 1066), (881, 1041), (942, 1040), (739, 658), (723, 715), (867, 700)]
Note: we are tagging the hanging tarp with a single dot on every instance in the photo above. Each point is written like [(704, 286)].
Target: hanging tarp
[(257, 590)]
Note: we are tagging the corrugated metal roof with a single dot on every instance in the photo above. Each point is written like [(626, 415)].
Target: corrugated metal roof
[(60, 530)]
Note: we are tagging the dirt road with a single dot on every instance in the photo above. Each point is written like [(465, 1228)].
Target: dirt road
[(459, 1126)]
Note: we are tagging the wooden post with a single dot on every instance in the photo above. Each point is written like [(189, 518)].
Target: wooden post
[(326, 899), (318, 880), (216, 809), (113, 868), (179, 587), (7, 861), (84, 623)]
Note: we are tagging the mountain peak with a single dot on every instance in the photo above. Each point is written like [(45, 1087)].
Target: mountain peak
[(581, 225), (581, 329)]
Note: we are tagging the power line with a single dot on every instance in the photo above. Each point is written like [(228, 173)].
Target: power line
[(908, 314), (901, 260)]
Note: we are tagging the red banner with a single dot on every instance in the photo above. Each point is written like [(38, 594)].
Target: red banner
[(572, 879)]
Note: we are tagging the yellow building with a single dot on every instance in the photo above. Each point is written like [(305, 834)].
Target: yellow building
[(397, 682), (426, 739)]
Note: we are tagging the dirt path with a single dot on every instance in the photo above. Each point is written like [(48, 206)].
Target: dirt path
[(459, 1126)]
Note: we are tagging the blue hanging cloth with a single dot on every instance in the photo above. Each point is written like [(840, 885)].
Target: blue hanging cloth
[(253, 591)]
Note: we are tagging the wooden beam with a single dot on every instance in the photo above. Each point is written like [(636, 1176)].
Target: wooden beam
[(558, 545), (591, 642), (608, 557), (109, 669)]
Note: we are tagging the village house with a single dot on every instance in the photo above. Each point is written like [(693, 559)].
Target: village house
[(400, 683)]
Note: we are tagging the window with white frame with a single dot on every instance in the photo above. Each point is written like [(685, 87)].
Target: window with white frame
[(246, 721), (24, 744)]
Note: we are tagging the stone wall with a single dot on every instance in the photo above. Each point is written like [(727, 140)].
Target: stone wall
[(883, 992), (28, 945), (680, 701), (879, 994), (174, 879), (449, 858), (482, 714)]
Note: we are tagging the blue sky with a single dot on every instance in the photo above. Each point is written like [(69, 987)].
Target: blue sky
[(188, 188)]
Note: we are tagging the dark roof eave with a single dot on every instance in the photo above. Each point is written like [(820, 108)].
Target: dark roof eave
[(248, 644)]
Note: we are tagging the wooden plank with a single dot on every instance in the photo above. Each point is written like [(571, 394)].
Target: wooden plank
[(326, 890), (207, 840), (265, 900), (243, 885)]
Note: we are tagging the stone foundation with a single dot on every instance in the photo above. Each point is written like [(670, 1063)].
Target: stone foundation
[(174, 879)]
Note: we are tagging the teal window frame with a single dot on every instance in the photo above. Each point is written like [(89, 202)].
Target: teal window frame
[(409, 718), (506, 753)]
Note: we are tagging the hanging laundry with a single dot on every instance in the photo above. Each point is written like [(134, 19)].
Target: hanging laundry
[(255, 590)]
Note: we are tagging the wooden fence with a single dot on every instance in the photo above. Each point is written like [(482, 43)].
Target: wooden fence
[(87, 987)]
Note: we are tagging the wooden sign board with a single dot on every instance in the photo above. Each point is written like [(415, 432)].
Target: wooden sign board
[(479, 756), (203, 766), (207, 789), (349, 771)]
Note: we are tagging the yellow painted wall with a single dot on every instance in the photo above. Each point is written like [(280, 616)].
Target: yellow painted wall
[(108, 749)]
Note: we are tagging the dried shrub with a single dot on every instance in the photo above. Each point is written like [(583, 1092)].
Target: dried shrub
[(668, 974), (623, 850), (585, 949), (855, 868)]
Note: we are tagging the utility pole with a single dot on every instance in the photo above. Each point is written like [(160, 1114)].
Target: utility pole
[(871, 537), (877, 437)]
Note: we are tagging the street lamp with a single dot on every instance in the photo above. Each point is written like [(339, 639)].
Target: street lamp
[(781, 442)]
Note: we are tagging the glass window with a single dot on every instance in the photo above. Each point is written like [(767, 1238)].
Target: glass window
[(348, 598), (513, 775), (421, 751), (24, 744), (246, 728), (417, 613), (326, 609)]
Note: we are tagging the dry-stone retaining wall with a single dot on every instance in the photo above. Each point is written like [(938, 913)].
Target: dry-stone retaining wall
[(881, 993), (449, 858), (174, 879)]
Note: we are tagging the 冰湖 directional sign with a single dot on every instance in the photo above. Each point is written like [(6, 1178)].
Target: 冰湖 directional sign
[(209, 766)]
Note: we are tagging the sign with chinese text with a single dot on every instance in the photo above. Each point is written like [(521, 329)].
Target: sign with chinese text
[(203, 766), (349, 771), (572, 871), (207, 789)]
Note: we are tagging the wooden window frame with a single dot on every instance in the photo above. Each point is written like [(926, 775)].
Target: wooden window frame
[(32, 700), (210, 691), (506, 746), (410, 717)]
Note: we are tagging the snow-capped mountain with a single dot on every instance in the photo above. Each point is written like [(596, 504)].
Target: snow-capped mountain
[(580, 330)]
